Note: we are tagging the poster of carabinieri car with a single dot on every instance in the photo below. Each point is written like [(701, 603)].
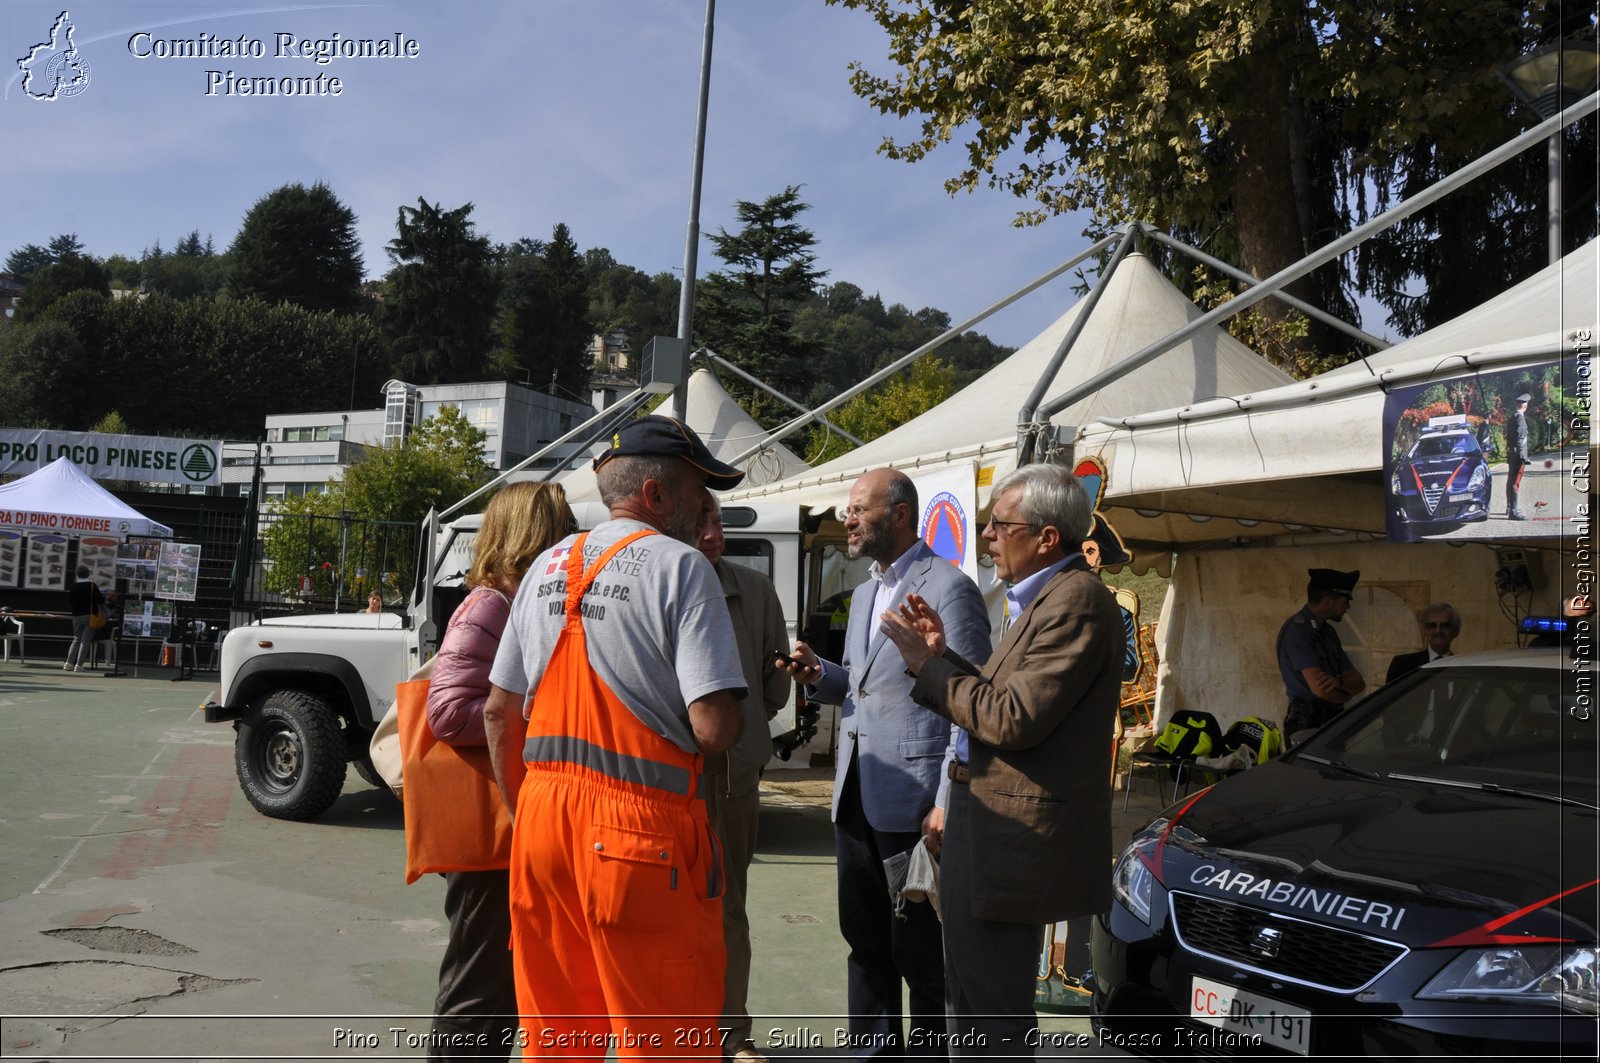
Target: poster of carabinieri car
[(1489, 455)]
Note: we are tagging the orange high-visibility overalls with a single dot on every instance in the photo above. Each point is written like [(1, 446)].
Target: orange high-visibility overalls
[(616, 876)]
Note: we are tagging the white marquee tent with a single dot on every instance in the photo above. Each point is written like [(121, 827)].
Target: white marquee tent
[(1300, 467), (1297, 464), (1309, 453), (978, 425), (62, 499)]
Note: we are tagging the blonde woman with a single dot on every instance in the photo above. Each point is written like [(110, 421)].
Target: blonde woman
[(477, 1000)]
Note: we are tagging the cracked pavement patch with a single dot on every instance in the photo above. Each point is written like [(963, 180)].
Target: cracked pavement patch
[(96, 986), (123, 939)]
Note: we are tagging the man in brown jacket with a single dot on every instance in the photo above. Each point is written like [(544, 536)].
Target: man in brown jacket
[(1028, 830)]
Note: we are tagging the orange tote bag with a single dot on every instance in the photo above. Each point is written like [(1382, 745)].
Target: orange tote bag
[(455, 820)]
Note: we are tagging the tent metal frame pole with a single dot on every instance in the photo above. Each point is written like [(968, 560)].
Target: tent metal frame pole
[(789, 428), (691, 240), (1128, 241), (603, 415), (1246, 299), (619, 411), (1241, 275), (717, 359)]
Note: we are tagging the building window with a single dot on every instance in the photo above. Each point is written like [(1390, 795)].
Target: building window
[(399, 411)]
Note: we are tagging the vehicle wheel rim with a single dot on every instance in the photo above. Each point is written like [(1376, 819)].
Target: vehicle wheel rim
[(280, 758)]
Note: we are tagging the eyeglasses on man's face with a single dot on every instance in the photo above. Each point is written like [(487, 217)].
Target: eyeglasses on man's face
[(857, 512), (998, 525), (1439, 625)]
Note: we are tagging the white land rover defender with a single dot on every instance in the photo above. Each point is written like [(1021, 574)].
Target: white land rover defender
[(304, 693)]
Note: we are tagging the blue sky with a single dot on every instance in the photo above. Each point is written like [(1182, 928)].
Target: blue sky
[(579, 111)]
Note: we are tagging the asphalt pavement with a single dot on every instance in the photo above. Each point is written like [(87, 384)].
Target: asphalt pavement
[(147, 911)]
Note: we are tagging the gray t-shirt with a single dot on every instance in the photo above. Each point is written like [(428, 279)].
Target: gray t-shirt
[(657, 610)]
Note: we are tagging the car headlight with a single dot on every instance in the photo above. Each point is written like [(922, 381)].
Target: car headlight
[(1134, 883), (1480, 476), (1563, 975)]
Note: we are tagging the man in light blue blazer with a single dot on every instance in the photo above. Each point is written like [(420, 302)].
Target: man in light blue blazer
[(893, 763)]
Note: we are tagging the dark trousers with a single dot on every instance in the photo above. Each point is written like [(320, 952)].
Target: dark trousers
[(1514, 469), (1303, 715), (990, 968), (735, 819), (477, 999), (884, 948)]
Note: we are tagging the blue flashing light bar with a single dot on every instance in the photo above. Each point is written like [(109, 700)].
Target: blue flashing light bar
[(1542, 625)]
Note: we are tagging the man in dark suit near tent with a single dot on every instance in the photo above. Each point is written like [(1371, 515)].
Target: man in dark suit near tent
[(1440, 624)]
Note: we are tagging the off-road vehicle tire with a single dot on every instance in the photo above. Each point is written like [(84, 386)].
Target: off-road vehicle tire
[(369, 773), (290, 755)]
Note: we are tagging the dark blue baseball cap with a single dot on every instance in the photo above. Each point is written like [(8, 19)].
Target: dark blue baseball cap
[(658, 436)]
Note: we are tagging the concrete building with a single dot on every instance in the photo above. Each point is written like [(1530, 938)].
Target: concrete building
[(303, 451)]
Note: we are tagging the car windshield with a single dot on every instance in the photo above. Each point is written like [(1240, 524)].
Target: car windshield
[(1517, 728), (1438, 446)]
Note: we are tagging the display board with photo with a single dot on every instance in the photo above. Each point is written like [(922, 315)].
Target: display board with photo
[(147, 619), (11, 544), (137, 562), (1485, 455), (178, 575), (46, 566), (99, 555)]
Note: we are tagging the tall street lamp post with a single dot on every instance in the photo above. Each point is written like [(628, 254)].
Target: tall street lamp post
[(1546, 79)]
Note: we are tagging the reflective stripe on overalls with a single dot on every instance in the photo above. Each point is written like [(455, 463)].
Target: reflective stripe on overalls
[(616, 876)]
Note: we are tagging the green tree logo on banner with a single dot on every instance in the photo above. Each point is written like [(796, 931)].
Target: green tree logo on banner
[(198, 463)]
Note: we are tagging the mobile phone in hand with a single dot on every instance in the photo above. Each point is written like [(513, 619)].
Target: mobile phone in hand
[(784, 660)]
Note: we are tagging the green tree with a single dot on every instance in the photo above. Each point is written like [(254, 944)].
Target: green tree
[(68, 273), (215, 367), (297, 245), (112, 424), (440, 305), (542, 328), (49, 377), (191, 270), (27, 260), (440, 462), (625, 299), (1258, 129), (746, 313), (122, 272), (905, 395)]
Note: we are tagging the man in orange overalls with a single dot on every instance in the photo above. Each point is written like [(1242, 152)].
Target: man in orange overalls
[(622, 636)]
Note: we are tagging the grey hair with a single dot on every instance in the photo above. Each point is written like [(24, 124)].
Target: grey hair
[(1440, 607), (624, 477), (1052, 496)]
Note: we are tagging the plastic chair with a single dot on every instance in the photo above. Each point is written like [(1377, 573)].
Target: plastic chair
[(18, 636)]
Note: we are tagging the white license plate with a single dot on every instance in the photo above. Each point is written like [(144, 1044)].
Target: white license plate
[(1249, 1014)]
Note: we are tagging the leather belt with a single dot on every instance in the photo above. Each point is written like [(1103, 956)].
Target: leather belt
[(958, 772)]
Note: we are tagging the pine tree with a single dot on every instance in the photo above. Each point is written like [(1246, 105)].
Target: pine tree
[(747, 312), (297, 245)]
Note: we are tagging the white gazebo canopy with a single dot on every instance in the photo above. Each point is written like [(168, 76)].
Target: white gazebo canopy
[(61, 498), (978, 425)]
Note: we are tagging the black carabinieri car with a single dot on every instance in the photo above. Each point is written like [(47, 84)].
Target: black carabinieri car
[(1421, 876), (1444, 478)]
